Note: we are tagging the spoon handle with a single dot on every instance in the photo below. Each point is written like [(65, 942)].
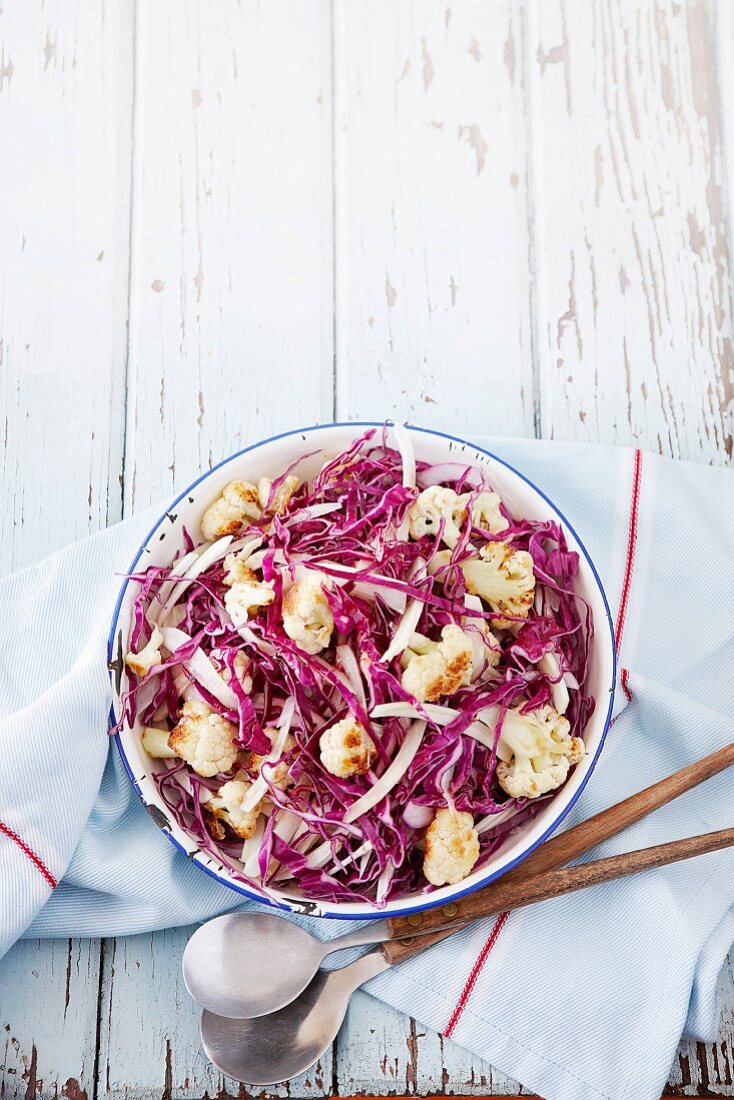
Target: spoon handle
[(377, 931), (563, 880), (568, 846)]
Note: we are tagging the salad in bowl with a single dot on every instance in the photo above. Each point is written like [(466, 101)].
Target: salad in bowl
[(367, 671)]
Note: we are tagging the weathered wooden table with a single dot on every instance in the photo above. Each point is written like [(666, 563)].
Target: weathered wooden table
[(224, 219)]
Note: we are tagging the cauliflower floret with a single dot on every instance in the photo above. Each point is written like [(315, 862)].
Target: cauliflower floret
[(536, 752), (203, 739), (307, 617), (155, 743), (418, 646), (451, 848), (282, 494), (238, 571), (440, 560), (227, 806), (276, 774), (238, 505), (433, 505), (485, 644), (244, 597), (241, 666), (141, 663), (440, 503), (443, 669), (485, 513), (347, 749), (503, 577)]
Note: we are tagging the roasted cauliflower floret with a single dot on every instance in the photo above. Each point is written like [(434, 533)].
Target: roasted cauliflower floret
[(238, 571), (238, 505), (241, 671), (485, 513), (281, 496), (142, 662), (433, 505), (442, 669), (307, 617), (504, 579), (418, 646), (227, 806), (451, 848), (439, 561), (347, 749), (275, 773), (536, 752), (155, 743), (246, 597), (203, 739)]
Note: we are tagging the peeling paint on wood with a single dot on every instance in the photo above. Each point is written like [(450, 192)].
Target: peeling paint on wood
[(423, 170), (48, 1019), (231, 224), (708, 1068), (380, 1052), (66, 122), (147, 1053), (628, 141)]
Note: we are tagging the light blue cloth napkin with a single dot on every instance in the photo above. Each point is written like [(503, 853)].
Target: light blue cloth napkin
[(582, 997)]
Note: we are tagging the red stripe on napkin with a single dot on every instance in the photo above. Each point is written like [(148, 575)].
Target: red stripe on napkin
[(629, 564), (476, 971), (28, 851), (624, 678)]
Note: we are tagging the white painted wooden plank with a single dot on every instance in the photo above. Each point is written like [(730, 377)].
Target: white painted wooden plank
[(381, 1052), (65, 119), (433, 314), (65, 115), (633, 247), (633, 263), (231, 297), (725, 76), (149, 1034), (432, 247), (230, 340), (463, 1074), (48, 1019)]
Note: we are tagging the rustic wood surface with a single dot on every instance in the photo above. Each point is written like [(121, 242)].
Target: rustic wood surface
[(222, 219)]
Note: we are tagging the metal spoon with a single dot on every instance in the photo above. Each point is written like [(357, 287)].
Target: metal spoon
[(244, 965), (272, 1048)]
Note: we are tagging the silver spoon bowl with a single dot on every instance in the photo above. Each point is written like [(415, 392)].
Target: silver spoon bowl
[(268, 1049), (244, 965)]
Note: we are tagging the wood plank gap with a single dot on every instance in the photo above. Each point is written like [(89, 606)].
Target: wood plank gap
[(332, 106), (120, 488), (98, 1023), (131, 214), (723, 32), (530, 98), (335, 1066)]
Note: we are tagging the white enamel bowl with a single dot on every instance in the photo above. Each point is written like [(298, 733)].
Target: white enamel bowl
[(271, 457)]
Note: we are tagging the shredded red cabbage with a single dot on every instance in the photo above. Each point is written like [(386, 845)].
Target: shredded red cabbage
[(349, 523)]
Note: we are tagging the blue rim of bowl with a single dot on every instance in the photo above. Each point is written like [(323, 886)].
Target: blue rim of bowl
[(374, 914)]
